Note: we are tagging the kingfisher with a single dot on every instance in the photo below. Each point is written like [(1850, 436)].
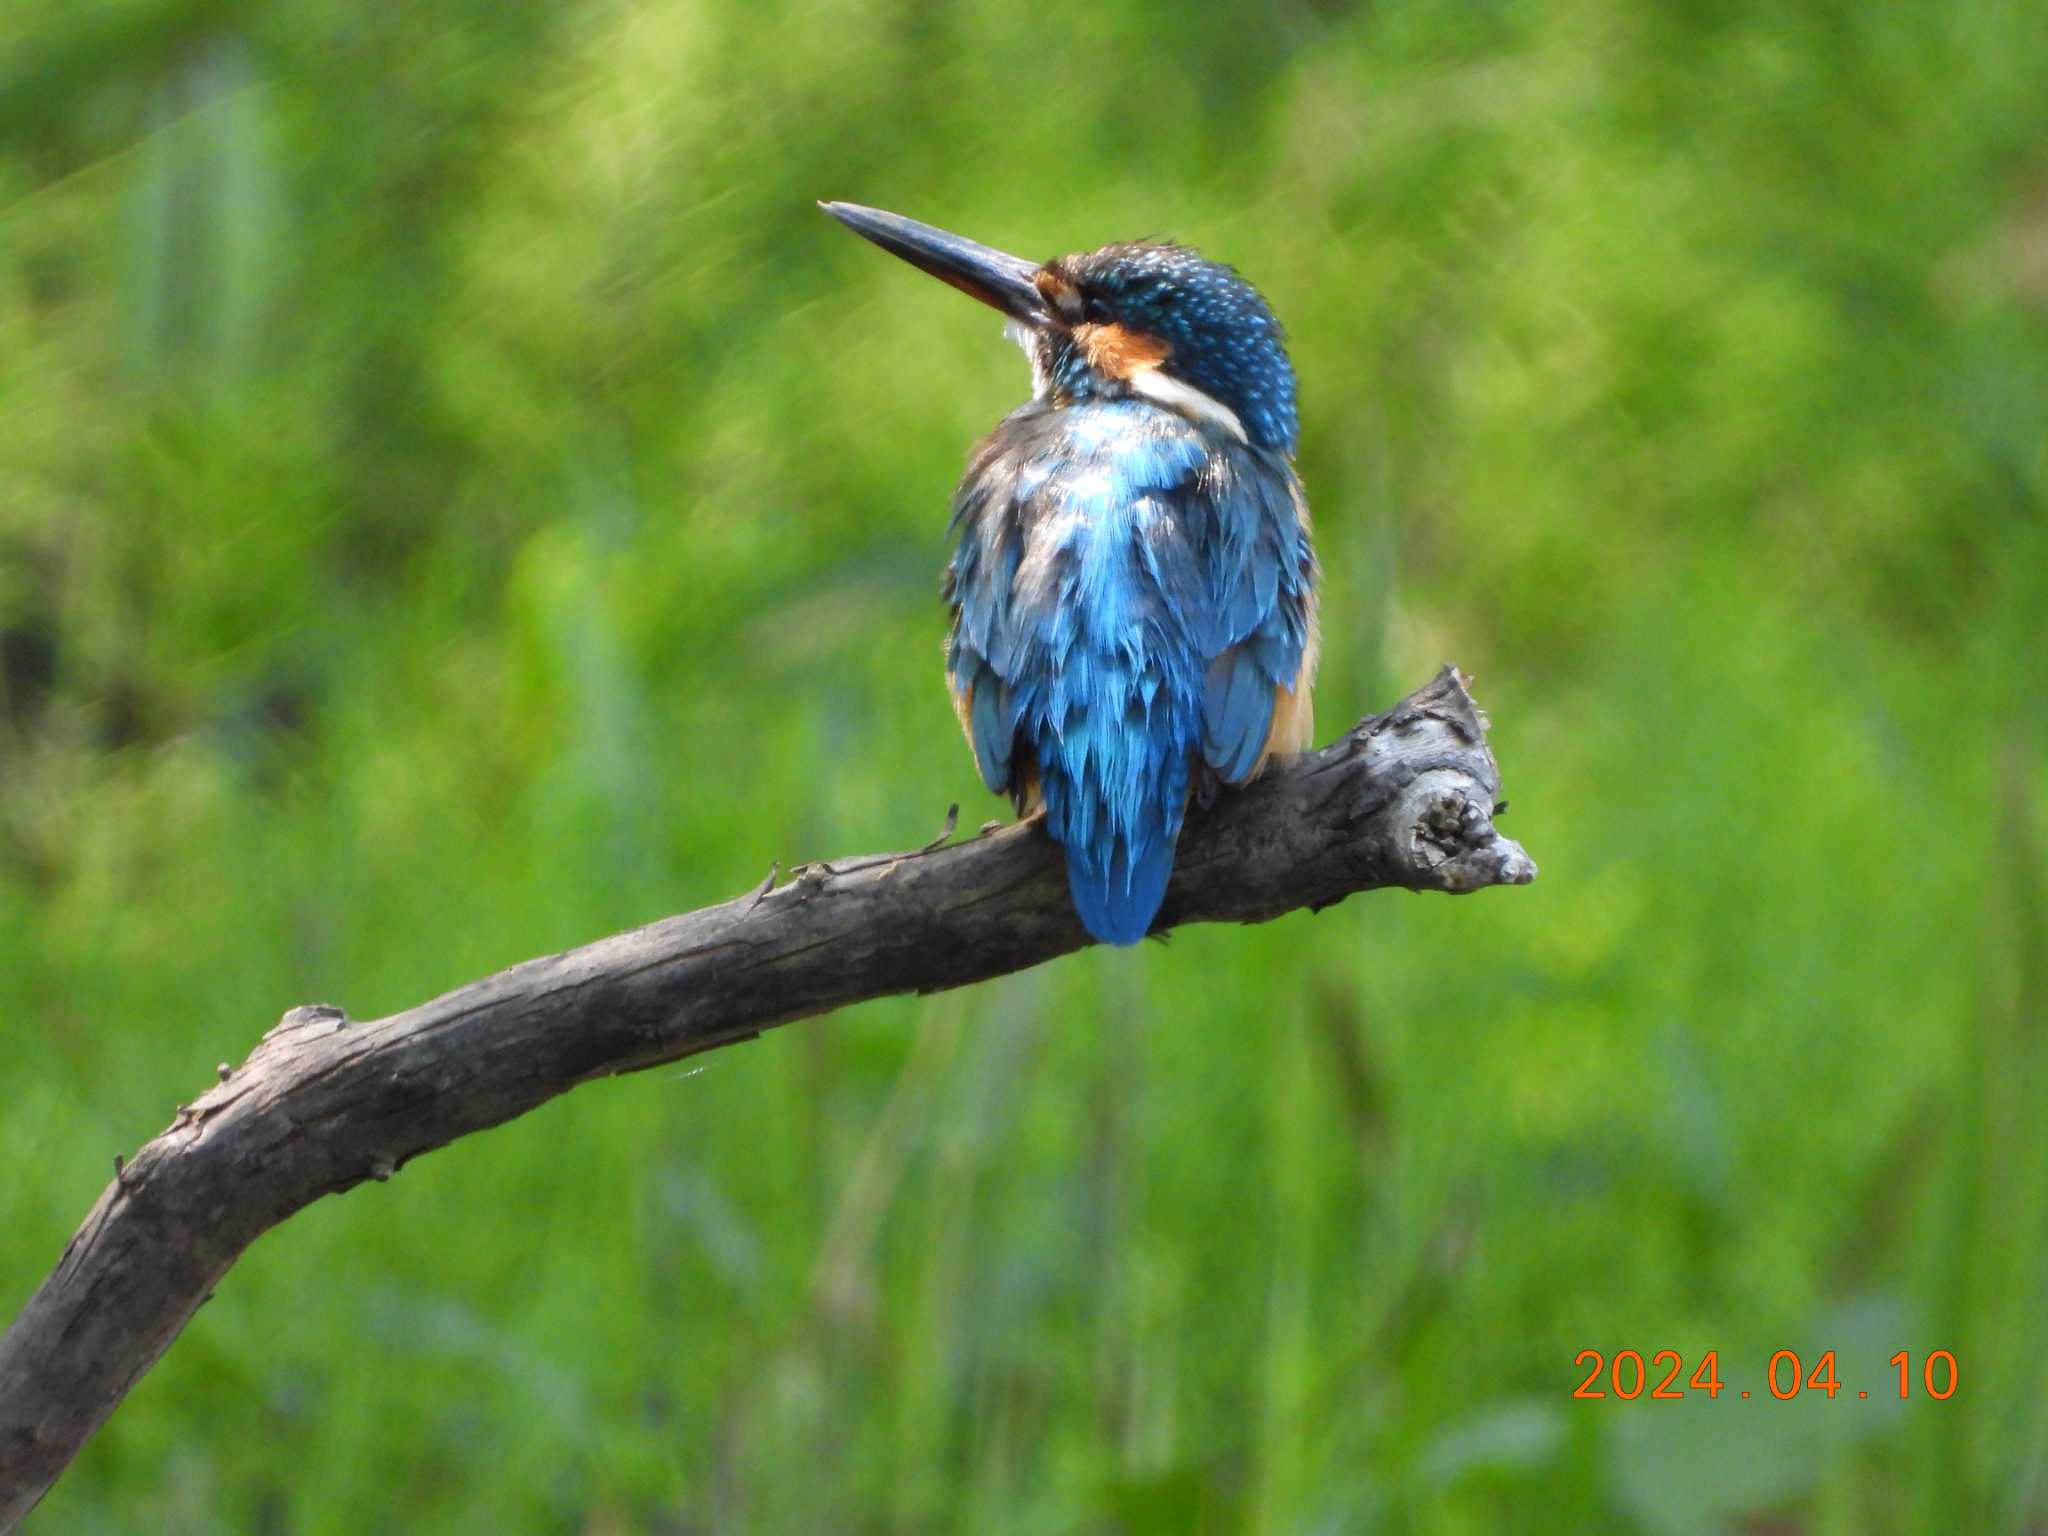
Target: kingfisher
[(1132, 583)]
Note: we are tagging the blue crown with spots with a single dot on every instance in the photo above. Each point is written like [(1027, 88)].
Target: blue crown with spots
[(1225, 340)]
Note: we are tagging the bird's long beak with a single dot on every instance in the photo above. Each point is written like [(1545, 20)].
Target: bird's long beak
[(999, 281)]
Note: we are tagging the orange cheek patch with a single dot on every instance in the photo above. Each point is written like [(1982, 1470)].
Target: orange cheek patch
[(1117, 353)]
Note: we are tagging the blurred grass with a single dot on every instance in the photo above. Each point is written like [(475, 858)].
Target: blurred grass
[(457, 498)]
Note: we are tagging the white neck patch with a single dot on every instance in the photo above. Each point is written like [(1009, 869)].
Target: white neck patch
[(1159, 388), (1178, 395), (1027, 338)]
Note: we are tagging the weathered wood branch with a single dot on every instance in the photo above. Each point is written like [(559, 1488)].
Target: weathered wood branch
[(324, 1102)]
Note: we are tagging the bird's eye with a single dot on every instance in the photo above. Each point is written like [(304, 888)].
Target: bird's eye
[(1095, 311)]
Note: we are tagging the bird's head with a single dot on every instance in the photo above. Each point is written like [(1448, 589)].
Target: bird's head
[(1147, 319)]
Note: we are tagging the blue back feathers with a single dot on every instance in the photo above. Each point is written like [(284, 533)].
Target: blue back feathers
[(1131, 583), (1128, 594)]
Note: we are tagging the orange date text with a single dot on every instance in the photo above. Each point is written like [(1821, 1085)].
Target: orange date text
[(1663, 1377)]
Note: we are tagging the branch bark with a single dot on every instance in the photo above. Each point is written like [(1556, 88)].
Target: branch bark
[(323, 1102)]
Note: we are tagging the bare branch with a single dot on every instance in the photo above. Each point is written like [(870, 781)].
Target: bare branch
[(324, 1102)]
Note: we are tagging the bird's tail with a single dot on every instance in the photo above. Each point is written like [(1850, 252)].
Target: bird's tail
[(1117, 813)]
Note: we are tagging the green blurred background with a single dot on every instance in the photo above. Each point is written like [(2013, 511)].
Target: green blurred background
[(459, 498)]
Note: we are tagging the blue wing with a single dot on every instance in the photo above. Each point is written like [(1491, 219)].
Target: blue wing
[(1262, 665), (1125, 596)]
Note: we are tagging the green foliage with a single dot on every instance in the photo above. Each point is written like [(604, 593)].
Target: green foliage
[(458, 498)]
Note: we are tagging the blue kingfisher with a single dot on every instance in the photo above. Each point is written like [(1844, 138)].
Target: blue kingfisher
[(1133, 590)]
